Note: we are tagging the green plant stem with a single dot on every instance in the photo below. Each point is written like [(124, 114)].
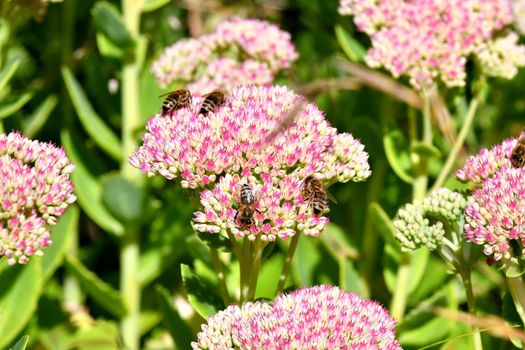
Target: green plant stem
[(465, 275), (257, 253), (220, 276), (465, 128), (244, 267), (130, 288), (287, 262), (399, 299), (130, 248)]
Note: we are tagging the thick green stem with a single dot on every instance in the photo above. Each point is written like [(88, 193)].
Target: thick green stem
[(465, 128), (220, 276), (257, 252), (130, 288), (244, 264), (130, 249), (287, 263), (399, 299)]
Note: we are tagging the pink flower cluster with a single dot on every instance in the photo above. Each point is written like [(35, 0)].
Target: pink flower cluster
[(231, 145), (239, 52), (429, 39), (320, 317), (34, 191), (494, 214)]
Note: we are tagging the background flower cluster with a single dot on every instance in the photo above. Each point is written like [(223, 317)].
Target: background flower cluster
[(239, 52)]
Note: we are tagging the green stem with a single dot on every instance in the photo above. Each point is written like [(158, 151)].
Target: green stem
[(288, 261), (399, 299), (244, 267), (130, 288), (465, 128), (130, 249), (257, 252), (220, 276), (465, 275)]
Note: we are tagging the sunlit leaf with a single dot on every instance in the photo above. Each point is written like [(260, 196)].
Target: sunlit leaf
[(21, 344), (88, 188), (152, 5), (396, 150), (8, 71), (351, 47), (124, 200), (12, 107), (202, 297), (109, 21), (100, 291), (180, 332), (21, 287), (93, 124), (40, 116)]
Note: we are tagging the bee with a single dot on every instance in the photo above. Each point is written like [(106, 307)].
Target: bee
[(246, 209), (176, 100), (517, 157), (314, 193), (212, 101)]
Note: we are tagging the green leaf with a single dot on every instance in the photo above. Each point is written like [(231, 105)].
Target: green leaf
[(93, 124), (349, 278), (199, 250), (63, 232), (7, 73), (336, 242), (107, 48), (269, 277), (124, 200), (180, 332), (396, 151), (214, 240), (21, 344), (108, 20), (12, 107), (21, 287), (40, 116), (431, 332), (351, 47), (100, 291), (201, 296), (307, 257), (514, 270), (418, 266), (152, 5), (87, 187), (102, 335), (382, 223), (425, 150)]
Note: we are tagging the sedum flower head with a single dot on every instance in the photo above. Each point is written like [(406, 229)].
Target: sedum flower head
[(232, 144), (422, 223), (429, 39), (320, 317), (239, 52), (518, 10), (486, 163), (494, 215), (34, 191)]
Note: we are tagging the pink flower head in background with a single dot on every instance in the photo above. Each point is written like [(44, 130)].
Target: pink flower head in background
[(495, 214), (34, 191), (239, 52), (486, 163), (429, 39), (319, 317), (232, 144)]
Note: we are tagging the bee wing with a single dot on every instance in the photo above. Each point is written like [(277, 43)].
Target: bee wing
[(166, 94), (331, 196)]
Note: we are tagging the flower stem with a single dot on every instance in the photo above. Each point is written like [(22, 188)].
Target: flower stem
[(243, 265), (220, 276), (130, 247), (399, 298), (465, 276), (465, 128), (288, 261), (257, 251)]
